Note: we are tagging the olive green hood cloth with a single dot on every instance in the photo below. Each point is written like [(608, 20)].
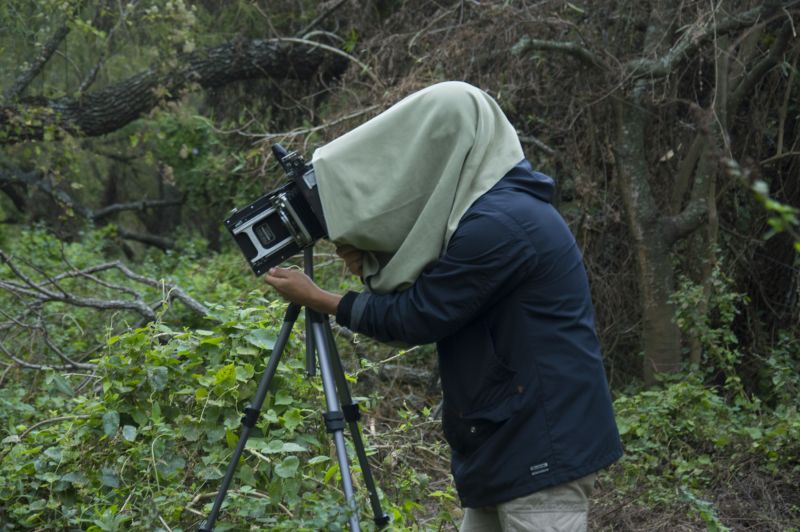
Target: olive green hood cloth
[(397, 186)]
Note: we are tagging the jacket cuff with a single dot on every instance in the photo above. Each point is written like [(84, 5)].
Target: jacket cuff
[(345, 309), (350, 309)]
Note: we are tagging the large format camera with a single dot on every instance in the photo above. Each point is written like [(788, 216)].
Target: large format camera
[(283, 222)]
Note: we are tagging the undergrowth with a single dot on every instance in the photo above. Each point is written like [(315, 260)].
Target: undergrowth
[(141, 440)]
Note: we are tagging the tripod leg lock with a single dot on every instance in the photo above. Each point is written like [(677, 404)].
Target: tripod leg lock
[(250, 417), (334, 421)]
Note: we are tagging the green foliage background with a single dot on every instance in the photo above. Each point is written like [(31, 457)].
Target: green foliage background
[(137, 435)]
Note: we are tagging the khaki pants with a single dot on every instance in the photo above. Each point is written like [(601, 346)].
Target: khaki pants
[(562, 508)]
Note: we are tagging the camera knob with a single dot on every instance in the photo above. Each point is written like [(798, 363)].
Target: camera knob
[(234, 211)]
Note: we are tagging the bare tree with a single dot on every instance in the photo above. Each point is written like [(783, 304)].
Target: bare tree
[(655, 226)]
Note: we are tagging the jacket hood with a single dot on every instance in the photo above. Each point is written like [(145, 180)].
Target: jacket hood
[(522, 178)]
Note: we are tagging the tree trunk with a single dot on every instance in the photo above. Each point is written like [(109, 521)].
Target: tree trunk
[(652, 238)]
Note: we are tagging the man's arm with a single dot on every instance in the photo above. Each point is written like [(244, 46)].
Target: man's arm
[(487, 255), (486, 258)]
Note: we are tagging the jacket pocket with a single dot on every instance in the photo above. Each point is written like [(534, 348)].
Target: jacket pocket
[(466, 433)]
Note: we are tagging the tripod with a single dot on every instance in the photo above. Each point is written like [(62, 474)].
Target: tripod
[(319, 340)]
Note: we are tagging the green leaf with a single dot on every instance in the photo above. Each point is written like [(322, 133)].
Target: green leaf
[(170, 467), (60, 383), (257, 444), (157, 377), (190, 432), (200, 394), (275, 446), (245, 372), (129, 432), (209, 473), (329, 474), (155, 413), (231, 438), (247, 476), (288, 467), (108, 478), (292, 419), (75, 478), (215, 434), (140, 416), (49, 477), (215, 340), (270, 416), (37, 505), (261, 338), (291, 447), (283, 397), (56, 453), (110, 423)]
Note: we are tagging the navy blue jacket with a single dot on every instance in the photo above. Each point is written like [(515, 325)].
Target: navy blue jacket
[(525, 398)]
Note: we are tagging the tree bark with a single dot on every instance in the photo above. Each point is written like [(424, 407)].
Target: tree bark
[(652, 238), (115, 106)]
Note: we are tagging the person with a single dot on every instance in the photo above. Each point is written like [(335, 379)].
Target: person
[(433, 203)]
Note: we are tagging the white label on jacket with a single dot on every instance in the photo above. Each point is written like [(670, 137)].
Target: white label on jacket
[(538, 469)]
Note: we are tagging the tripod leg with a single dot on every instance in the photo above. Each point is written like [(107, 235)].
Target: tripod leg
[(311, 368), (334, 420), (308, 268), (352, 415), (251, 413)]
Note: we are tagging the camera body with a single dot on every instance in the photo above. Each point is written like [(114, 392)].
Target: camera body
[(283, 222)]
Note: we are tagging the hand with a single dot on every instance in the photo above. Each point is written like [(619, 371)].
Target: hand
[(352, 257), (296, 286)]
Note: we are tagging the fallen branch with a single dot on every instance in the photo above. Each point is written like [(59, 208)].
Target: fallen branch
[(530, 139), (41, 293), (109, 109), (582, 54), (28, 365), (160, 242), (140, 205), (34, 179), (51, 421)]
